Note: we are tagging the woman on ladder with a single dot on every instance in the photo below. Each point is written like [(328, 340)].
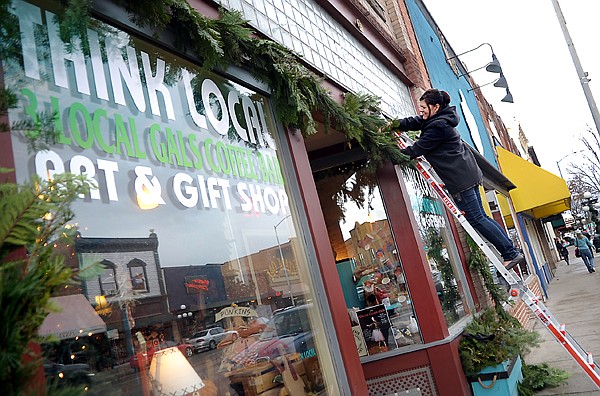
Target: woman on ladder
[(441, 145)]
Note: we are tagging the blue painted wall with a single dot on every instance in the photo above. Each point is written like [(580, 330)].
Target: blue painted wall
[(443, 77)]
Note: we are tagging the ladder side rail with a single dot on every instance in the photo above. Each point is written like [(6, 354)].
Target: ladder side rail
[(539, 310), (581, 357)]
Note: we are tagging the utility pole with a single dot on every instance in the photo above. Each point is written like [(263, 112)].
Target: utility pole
[(583, 76)]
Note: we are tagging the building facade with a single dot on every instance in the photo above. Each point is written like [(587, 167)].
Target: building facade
[(341, 280)]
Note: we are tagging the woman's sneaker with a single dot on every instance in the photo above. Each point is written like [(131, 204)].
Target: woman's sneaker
[(510, 264)]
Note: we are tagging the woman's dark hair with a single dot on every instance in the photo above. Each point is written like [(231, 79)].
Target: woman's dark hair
[(434, 97)]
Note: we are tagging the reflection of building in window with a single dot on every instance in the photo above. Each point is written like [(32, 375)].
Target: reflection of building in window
[(137, 272), (108, 279), (132, 267)]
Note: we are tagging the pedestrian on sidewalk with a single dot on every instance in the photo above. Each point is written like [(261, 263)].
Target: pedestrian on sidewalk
[(564, 250), (451, 158), (561, 248), (585, 249)]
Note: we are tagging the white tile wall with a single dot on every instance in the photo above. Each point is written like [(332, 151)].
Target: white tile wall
[(305, 27)]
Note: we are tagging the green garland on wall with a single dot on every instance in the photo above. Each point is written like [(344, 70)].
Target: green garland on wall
[(297, 92), (450, 295), (479, 262)]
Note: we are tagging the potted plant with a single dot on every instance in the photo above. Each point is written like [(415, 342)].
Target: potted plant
[(494, 343), (491, 350)]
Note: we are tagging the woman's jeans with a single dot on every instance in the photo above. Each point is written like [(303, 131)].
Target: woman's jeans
[(588, 259), (469, 201)]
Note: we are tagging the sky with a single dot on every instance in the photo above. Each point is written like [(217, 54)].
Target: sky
[(549, 102)]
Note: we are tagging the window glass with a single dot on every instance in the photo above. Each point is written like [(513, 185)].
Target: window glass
[(444, 262), (191, 216), (137, 273), (370, 269), (108, 279)]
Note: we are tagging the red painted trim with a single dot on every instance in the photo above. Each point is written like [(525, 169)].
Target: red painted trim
[(463, 259), (37, 383), (410, 247), (327, 267), (394, 364), (447, 370), (442, 360), (7, 159), (208, 9)]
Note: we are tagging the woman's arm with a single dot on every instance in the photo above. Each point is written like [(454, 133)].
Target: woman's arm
[(410, 124), (431, 137)]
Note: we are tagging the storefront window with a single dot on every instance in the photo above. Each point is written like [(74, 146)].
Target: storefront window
[(206, 284), (370, 269), (446, 268)]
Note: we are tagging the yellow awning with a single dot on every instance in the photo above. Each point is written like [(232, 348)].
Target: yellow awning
[(538, 191), (505, 210), (484, 201)]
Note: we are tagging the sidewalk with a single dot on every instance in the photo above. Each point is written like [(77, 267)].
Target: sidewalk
[(574, 299)]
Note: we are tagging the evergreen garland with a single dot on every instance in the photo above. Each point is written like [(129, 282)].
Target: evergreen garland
[(450, 295), (479, 262), (494, 336), (489, 340), (297, 92), (540, 376)]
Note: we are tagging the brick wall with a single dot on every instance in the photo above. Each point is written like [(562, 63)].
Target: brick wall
[(407, 40)]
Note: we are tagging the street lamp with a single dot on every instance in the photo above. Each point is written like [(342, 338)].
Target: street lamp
[(560, 160), (591, 205), (583, 76), (492, 67), (183, 315), (287, 278)]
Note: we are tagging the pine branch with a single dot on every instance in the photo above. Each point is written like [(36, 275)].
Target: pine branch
[(25, 207)]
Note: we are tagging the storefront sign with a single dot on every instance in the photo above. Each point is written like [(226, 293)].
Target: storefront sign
[(125, 111), (235, 311), (196, 285)]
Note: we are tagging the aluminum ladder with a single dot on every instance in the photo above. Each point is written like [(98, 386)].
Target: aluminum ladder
[(516, 286)]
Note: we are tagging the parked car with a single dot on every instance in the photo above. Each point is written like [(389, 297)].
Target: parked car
[(290, 328), (76, 375), (209, 339), (185, 348)]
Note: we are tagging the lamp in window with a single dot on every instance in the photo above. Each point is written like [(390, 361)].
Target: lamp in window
[(147, 191), (171, 374)]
